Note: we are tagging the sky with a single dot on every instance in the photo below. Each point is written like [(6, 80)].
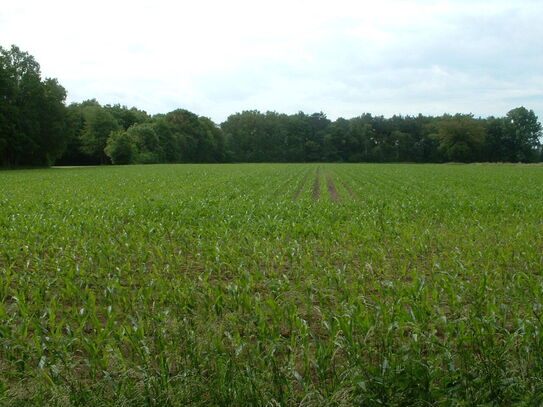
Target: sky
[(342, 57)]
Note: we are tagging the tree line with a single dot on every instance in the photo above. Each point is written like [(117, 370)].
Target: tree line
[(38, 128)]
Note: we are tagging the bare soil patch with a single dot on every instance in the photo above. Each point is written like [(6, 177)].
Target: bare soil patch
[(334, 195), (317, 185)]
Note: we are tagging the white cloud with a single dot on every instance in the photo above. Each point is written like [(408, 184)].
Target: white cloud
[(343, 57)]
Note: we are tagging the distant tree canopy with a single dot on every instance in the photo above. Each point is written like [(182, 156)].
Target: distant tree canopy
[(37, 128), (254, 136), (460, 137)]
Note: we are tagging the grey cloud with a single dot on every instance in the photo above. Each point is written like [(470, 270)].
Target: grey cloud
[(457, 59)]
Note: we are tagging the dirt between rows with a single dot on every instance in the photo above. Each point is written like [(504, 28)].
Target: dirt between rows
[(317, 185), (334, 195)]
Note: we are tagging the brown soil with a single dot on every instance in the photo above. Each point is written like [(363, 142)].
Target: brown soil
[(334, 195), (317, 185)]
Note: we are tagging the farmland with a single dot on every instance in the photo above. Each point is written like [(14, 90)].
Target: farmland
[(268, 284)]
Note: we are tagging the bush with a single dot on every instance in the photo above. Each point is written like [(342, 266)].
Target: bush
[(121, 148)]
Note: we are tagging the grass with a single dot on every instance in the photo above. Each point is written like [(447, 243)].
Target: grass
[(272, 285)]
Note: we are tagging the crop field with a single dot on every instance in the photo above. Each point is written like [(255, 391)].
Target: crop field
[(272, 285)]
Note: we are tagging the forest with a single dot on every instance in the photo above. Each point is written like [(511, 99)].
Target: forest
[(38, 128)]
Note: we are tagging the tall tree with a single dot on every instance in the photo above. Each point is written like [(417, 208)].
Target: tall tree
[(522, 134), (121, 148), (98, 125), (461, 137), (32, 112), (146, 139), (127, 117)]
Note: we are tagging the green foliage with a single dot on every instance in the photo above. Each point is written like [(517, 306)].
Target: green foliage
[(201, 141), (515, 137), (74, 126), (237, 285), (97, 127), (523, 132), (32, 112), (461, 138), (253, 136), (89, 127), (147, 142), (127, 117), (121, 148)]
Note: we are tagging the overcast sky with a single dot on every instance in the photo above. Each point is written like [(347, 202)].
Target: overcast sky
[(343, 57)]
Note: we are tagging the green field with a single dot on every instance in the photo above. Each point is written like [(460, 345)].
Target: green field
[(272, 285)]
